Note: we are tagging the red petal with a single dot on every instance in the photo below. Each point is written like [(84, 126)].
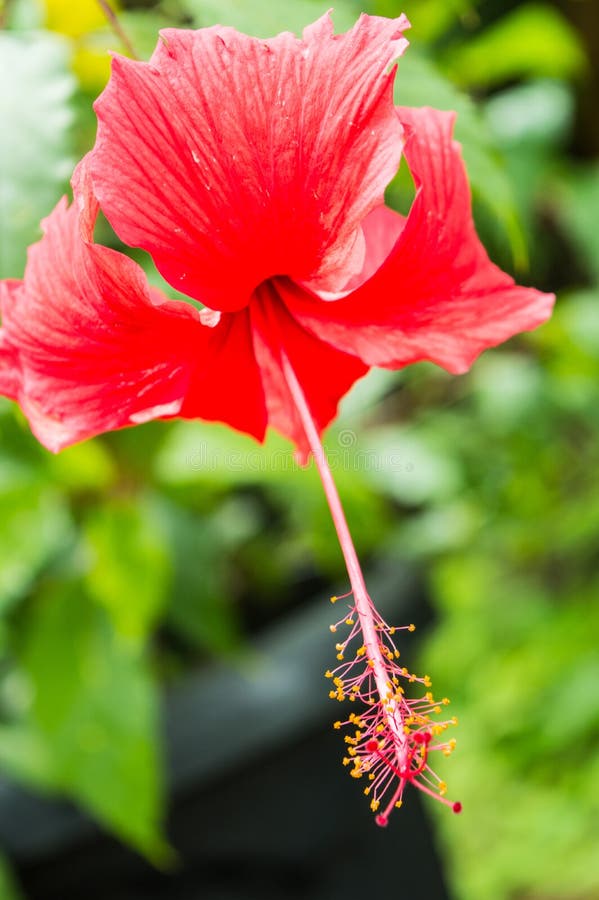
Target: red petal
[(10, 371), (233, 160), (84, 197), (325, 374), (438, 296), (96, 349), (381, 228), (228, 386)]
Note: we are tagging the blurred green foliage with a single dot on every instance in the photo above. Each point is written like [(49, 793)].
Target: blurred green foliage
[(130, 559)]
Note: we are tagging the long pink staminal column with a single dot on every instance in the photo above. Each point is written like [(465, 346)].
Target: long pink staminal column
[(354, 569), (390, 719)]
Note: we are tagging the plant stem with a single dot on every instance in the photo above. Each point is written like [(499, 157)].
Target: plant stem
[(117, 28)]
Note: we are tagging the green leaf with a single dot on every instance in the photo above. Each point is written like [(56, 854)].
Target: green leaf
[(35, 143), (430, 19), (264, 19), (35, 527), (533, 40), (8, 885), (85, 467), (201, 608), (579, 204), (94, 715), (420, 83), (407, 465), (196, 452), (23, 15), (26, 755), (539, 113), (130, 566)]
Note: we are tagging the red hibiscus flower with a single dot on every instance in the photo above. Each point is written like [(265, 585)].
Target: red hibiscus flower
[(254, 173)]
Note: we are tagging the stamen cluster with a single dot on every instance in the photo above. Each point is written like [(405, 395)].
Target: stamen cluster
[(392, 736)]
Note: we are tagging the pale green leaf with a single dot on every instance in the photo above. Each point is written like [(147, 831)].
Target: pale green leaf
[(265, 19), (537, 113), (35, 141)]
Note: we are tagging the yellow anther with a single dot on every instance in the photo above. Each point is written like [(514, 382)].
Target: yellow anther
[(367, 791), (407, 730), (411, 627), (328, 674), (349, 621), (346, 760), (442, 788), (396, 654), (352, 751), (429, 697), (355, 773), (374, 805), (426, 681), (334, 599), (339, 646), (332, 629), (437, 710), (392, 630), (445, 701), (340, 656), (332, 694), (371, 776), (452, 744), (454, 720), (379, 729), (360, 651), (399, 804), (371, 664)]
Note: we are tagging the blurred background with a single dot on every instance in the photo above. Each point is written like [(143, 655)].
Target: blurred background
[(164, 723)]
